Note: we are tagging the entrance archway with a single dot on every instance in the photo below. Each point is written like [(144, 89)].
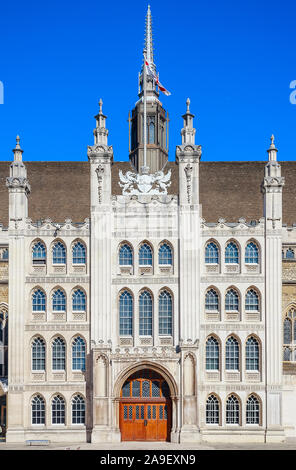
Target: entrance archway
[(145, 411)]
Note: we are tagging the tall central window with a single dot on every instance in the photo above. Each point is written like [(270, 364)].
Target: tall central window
[(58, 354), (59, 301), (165, 313), (145, 314), (231, 253), (232, 354), (59, 253), (145, 255)]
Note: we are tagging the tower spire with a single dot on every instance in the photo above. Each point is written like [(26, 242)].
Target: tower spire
[(149, 37)]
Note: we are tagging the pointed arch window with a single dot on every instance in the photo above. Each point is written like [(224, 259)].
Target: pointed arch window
[(212, 354), (38, 410), (251, 253), (145, 314), (165, 254), (58, 410), (39, 253), (165, 313), (125, 255), (287, 331), (78, 253), (231, 253), (211, 253), (287, 354), (58, 354), (78, 410), (212, 410), (78, 354), (59, 301), (212, 300), (145, 255), (59, 253), (151, 129), (253, 410), (78, 301), (252, 354), (38, 354), (252, 301), (290, 253), (231, 300), (38, 301), (232, 354), (232, 410), (4, 254), (125, 314)]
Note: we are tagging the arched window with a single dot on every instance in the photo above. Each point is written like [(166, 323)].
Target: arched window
[(232, 410), (212, 300), (251, 253), (38, 301), (290, 253), (231, 253), (212, 354), (211, 253), (5, 254), (59, 301), (125, 255), (39, 253), (252, 300), (78, 301), (145, 255), (165, 254), (287, 354), (253, 410), (58, 354), (78, 354), (58, 410), (231, 300), (59, 253), (78, 253), (287, 331), (78, 410), (38, 354), (38, 410), (165, 313), (151, 129), (232, 354), (126, 314), (212, 410), (145, 314), (252, 354)]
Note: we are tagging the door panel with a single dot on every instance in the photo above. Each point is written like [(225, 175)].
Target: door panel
[(145, 421)]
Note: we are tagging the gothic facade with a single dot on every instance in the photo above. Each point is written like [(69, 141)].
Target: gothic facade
[(135, 313)]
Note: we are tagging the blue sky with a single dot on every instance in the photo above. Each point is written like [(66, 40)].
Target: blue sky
[(234, 59)]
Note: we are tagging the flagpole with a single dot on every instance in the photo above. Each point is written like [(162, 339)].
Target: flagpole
[(145, 111)]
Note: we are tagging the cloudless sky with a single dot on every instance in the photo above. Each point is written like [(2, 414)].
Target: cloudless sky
[(235, 60)]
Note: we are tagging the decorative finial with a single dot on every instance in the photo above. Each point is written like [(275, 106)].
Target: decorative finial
[(272, 141), (18, 142), (101, 106), (188, 104), (272, 151), (17, 150)]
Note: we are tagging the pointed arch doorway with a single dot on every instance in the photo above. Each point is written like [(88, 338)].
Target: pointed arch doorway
[(145, 412)]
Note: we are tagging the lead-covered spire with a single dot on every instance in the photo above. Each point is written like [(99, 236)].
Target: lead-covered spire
[(149, 39)]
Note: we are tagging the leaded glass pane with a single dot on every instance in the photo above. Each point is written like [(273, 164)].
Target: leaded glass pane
[(125, 412), (142, 411), (125, 314), (59, 253), (153, 411), (252, 300), (231, 253), (252, 354), (58, 410), (149, 412), (287, 354), (232, 410), (211, 253), (78, 410), (130, 412), (39, 253), (212, 300), (38, 354), (78, 354), (78, 253), (145, 314), (145, 389), (165, 313), (136, 388), (165, 254), (251, 253), (160, 412), (145, 255), (78, 301), (155, 389), (287, 331), (231, 300), (59, 301), (137, 412), (253, 410), (212, 354), (38, 410), (58, 354), (126, 389), (125, 255), (232, 354), (38, 301), (212, 410)]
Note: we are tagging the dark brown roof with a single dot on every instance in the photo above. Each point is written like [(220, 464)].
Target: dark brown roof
[(60, 190)]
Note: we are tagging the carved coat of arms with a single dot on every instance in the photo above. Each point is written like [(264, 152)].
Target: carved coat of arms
[(134, 183)]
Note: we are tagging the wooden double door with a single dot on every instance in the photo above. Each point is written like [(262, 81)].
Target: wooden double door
[(145, 408), (145, 421)]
